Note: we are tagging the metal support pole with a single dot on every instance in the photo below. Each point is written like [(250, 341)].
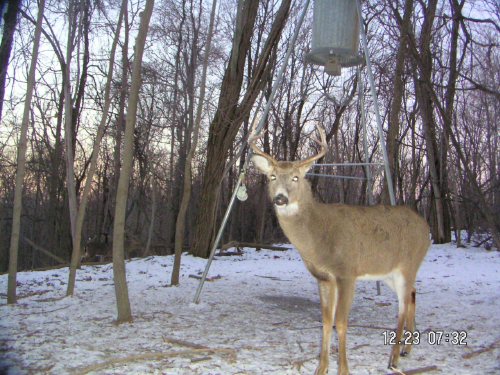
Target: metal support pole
[(388, 175), (361, 100), (257, 130), (375, 103), (369, 193)]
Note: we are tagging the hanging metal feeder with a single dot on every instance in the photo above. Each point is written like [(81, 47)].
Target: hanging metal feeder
[(335, 35)]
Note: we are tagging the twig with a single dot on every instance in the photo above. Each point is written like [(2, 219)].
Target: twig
[(488, 348), (350, 325), (152, 357), (305, 328), (415, 371), (213, 278), (360, 346), (229, 253), (201, 359), (42, 312), (371, 327), (297, 364), (44, 251), (478, 244), (272, 278), (188, 344), (300, 346), (253, 245), (396, 371)]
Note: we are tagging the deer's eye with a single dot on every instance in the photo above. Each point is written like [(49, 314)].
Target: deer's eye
[(295, 178), (272, 177)]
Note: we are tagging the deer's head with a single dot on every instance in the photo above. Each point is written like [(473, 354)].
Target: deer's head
[(287, 185)]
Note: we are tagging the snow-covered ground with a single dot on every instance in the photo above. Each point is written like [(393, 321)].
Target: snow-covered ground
[(259, 315)]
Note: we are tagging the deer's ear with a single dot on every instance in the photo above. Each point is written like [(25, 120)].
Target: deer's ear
[(262, 164)]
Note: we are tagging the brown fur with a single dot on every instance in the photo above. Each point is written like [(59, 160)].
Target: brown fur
[(340, 243)]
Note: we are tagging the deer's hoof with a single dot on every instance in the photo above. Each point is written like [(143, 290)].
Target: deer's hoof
[(395, 369), (392, 366), (321, 371)]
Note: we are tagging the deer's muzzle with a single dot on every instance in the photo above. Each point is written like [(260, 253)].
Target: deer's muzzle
[(280, 200)]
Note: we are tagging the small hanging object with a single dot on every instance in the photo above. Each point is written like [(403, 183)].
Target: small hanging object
[(335, 35), (242, 194)]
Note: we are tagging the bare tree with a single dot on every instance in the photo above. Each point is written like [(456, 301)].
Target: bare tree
[(119, 125), (397, 92), (69, 134), (186, 194), (76, 254), (423, 83), (435, 64), (10, 21), (78, 14), (428, 97), (119, 274), (231, 112), (21, 162)]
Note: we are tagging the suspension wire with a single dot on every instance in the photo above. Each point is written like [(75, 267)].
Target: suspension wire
[(346, 164), (336, 176), (257, 131)]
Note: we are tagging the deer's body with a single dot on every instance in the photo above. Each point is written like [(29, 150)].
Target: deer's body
[(355, 240), (340, 244)]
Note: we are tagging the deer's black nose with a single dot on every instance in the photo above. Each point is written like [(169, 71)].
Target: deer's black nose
[(280, 200)]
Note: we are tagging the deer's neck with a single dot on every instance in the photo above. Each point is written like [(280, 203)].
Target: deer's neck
[(302, 223), (299, 226)]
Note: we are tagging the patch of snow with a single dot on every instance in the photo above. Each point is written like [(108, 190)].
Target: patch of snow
[(262, 316)]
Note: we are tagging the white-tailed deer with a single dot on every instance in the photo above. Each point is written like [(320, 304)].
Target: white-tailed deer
[(340, 244)]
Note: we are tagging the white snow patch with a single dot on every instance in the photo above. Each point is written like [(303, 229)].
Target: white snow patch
[(261, 316)]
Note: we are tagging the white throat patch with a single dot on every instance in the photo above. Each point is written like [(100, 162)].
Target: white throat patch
[(287, 210)]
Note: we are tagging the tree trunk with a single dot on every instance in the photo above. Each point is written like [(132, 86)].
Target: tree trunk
[(440, 222), (56, 181), (449, 100), (154, 189), (68, 122), (186, 194), (485, 208), (10, 22), (76, 254), (174, 166), (119, 275), (119, 126), (230, 114), (21, 163), (397, 96)]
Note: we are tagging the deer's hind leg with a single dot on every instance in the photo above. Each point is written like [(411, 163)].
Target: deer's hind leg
[(404, 289), (410, 321), (328, 298)]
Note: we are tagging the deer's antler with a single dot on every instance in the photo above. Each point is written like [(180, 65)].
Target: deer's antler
[(256, 150), (323, 147)]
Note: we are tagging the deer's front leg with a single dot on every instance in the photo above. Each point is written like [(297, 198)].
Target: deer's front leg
[(328, 298), (345, 288)]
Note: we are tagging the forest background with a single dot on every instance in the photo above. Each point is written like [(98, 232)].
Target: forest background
[(436, 67)]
